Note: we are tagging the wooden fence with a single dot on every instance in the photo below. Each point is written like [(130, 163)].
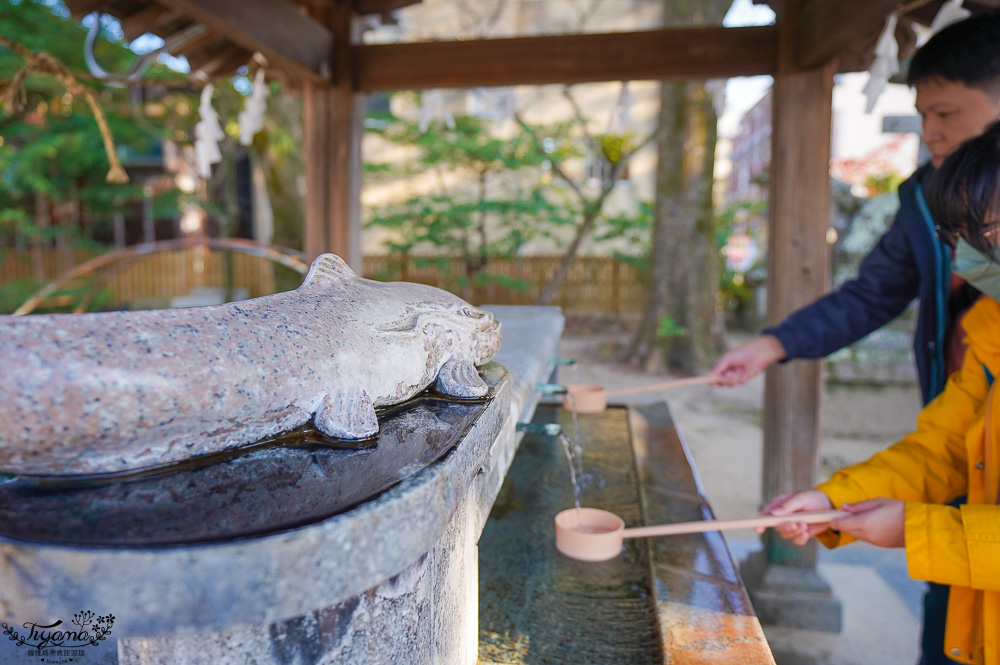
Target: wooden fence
[(594, 284)]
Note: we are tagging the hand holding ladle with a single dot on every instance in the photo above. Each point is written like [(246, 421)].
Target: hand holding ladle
[(587, 398), (590, 534)]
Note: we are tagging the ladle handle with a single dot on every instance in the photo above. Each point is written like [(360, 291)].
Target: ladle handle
[(676, 383), (720, 525)]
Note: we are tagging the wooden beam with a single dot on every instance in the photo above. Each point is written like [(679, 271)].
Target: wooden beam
[(287, 38), (147, 19), (222, 63), (381, 7), (80, 8), (194, 45), (682, 53), (827, 28)]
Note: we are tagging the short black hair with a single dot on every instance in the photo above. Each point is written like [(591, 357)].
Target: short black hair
[(967, 51), (964, 194)]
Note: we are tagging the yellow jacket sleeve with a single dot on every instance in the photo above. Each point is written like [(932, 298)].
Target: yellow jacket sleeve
[(958, 547), (929, 465)]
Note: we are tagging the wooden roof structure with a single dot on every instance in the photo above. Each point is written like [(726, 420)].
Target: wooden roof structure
[(298, 37), (317, 43)]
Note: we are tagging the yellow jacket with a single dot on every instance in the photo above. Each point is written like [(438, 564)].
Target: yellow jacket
[(955, 450)]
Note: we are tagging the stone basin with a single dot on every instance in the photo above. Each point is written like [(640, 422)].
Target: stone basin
[(325, 576), (291, 481), (391, 578)]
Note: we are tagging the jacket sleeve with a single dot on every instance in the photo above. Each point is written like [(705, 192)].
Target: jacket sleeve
[(954, 546), (888, 280), (929, 465)]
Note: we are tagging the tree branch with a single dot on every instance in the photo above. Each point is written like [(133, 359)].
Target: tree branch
[(46, 64)]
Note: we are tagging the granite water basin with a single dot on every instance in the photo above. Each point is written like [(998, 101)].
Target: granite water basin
[(287, 482)]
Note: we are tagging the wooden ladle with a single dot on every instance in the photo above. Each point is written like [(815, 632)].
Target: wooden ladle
[(590, 534), (588, 398)]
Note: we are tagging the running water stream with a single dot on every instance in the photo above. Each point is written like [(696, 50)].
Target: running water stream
[(571, 458), (576, 431)]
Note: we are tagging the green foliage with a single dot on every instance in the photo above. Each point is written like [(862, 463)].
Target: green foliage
[(469, 144), (494, 208), (632, 231), (669, 329), (14, 293), (495, 193), (883, 183), (49, 140), (614, 147)]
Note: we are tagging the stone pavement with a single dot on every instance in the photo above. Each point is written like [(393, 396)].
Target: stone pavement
[(722, 428)]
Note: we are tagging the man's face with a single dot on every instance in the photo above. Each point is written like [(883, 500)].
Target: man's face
[(952, 113)]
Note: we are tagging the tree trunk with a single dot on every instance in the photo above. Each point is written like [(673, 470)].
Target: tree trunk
[(680, 327), (591, 206), (552, 286)]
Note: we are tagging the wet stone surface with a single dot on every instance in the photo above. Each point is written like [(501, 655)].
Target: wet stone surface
[(538, 606), (297, 479)]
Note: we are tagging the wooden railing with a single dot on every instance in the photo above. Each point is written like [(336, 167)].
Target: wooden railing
[(594, 284)]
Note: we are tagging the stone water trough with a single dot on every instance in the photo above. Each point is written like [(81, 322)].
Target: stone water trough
[(297, 551)]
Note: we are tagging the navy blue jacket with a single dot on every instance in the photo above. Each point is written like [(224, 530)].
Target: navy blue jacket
[(908, 262)]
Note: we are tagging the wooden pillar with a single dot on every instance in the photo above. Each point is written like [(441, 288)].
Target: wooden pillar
[(334, 117), (798, 266), (798, 273)]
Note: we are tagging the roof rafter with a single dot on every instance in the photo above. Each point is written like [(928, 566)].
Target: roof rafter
[(282, 34), (147, 19), (823, 33)]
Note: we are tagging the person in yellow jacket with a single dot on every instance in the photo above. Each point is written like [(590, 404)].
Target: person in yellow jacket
[(895, 498)]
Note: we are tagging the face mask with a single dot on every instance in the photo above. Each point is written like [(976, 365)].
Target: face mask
[(977, 269)]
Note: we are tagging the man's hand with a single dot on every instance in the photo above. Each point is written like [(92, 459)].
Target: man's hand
[(797, 502), (741, 364), (878, 521)]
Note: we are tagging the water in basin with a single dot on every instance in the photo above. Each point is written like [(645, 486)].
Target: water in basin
[(537, 606)]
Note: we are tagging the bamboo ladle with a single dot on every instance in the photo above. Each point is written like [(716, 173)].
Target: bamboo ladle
[(591, 534), (589, 398)]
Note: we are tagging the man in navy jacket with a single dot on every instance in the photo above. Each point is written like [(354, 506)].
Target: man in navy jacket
[(956, 76)]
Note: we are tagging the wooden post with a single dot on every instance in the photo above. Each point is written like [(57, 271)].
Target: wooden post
[(798, 273), (334, 116)]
